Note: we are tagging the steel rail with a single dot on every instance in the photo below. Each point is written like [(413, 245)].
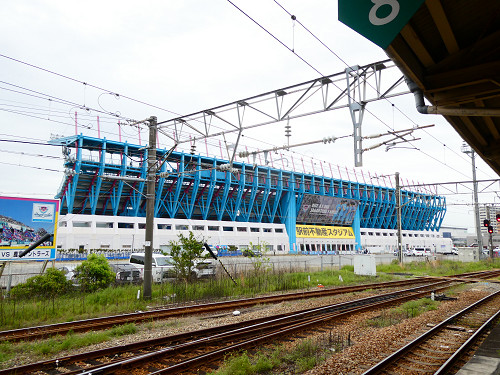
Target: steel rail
[(40, 332), (466, 345), (277, 322), (31, 333), (265, 336), (382, 365)]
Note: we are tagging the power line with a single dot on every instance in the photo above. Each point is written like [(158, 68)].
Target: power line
[(86, 84), (35, 155), (394, 106), (275, 38), (31, 166), (32, 93)]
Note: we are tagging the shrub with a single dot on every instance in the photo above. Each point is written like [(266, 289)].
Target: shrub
[(94, 273), (184, 253), (49, 285)]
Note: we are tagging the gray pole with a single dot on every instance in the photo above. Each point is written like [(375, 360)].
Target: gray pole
[(491, 246), (150, 209), (398, 219), (476, 204), (467, 150)]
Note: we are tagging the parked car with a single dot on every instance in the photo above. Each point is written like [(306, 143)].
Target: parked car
[(69, 272), (204, 269), (162, 267), (252, 253), (418, 252), (127, 273)]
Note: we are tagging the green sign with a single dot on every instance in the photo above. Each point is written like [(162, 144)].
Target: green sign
[(378, 20)]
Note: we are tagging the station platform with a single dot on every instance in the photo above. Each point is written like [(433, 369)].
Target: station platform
[(486, 360)]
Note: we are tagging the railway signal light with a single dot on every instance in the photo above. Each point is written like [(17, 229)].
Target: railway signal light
[(490, 229), (486, 223), (498, 217)]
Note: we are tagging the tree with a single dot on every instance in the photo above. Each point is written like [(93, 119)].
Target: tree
[(94, 273), (184, 252), (260, 263)]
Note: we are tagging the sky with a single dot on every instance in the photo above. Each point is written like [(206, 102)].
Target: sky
[(63, 62)]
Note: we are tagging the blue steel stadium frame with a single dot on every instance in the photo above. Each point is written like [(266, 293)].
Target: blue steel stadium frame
[(194, 189)]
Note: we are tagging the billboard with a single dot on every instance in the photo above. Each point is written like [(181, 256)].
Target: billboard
[(24, 221), (318, 231), (320, 209)]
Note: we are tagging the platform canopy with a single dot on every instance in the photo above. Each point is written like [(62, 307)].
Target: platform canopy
[(451, 50)]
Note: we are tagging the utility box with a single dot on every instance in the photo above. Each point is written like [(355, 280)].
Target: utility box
[(365, 265), (468, 254)]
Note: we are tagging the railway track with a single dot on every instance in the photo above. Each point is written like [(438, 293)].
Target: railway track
[(184, 352), (441, 348), (40, 332), (94, 324)]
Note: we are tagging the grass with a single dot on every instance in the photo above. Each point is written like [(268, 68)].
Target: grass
[(304, 356), (58, 344), (438, 267), (18, 313), (410, 309)]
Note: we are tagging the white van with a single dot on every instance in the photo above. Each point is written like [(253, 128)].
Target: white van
[(162, 266)]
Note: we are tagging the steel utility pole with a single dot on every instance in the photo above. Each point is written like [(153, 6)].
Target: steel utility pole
[(150, 208), (467, 150), (398, 219)]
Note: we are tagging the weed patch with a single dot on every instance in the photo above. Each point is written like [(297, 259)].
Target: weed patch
[(410, 309), (58, 344), (280, 359)]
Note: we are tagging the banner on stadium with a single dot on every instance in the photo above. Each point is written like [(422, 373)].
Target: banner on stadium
[(24, 221), (318, 231), (320, 209)]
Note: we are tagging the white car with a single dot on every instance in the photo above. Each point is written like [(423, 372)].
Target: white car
[(418, 252), (204, 269)]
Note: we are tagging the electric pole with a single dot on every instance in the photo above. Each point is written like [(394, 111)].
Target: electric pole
[(467, 150), (150, 208), (398, 219)]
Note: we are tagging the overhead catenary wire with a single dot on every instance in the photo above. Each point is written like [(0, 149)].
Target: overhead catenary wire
[(317, 71), (85, 83), (387, 99), (71, 103), (442, 185), (393, 105), (85, 86)]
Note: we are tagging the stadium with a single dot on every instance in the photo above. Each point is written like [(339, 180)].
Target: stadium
[(103, 204)]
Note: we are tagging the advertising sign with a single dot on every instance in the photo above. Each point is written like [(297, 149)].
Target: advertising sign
[(24, 221), (318, 231), (378, 20), (320, 209)]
